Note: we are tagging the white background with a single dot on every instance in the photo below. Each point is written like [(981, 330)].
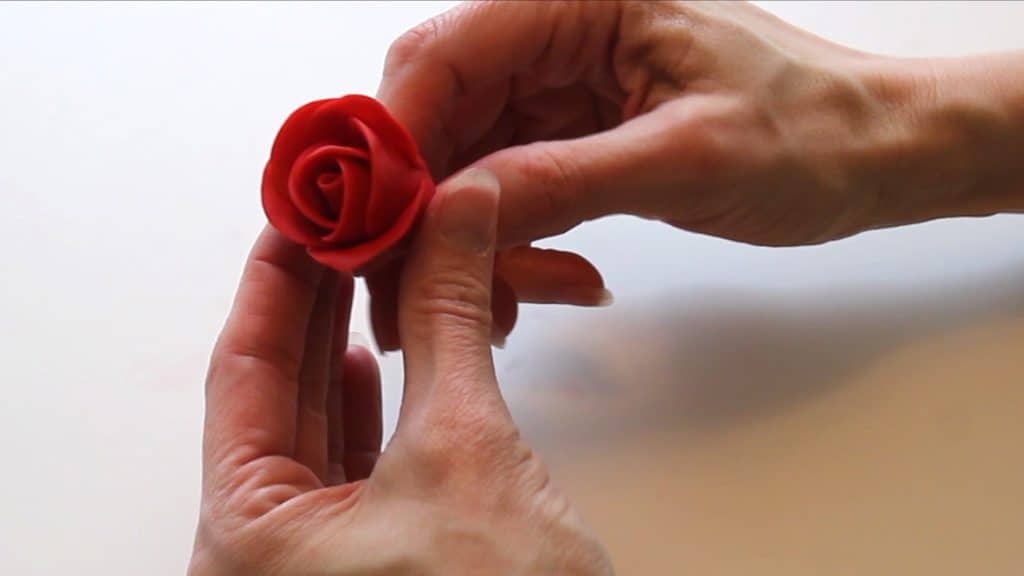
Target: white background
[(132, 139)]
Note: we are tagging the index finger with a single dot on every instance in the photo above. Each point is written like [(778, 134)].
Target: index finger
[(433, 72), (252, 385)]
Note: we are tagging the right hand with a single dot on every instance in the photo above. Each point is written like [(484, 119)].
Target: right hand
[(717, 118), (713, 117)]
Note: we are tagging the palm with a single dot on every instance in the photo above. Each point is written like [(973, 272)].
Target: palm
[(299, 420)]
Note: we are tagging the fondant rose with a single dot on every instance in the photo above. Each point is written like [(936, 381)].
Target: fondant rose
[(345, 180)]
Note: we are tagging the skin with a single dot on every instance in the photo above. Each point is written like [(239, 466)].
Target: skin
[(293, 481), (716, 118)]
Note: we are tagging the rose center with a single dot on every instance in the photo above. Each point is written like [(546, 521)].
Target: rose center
[(331, 184)]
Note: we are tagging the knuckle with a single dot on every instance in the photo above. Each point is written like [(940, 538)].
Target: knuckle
[(452, 296), (563, 181), (235, 360), (703, 136), (420, 39), (462, 437), (411, 44)]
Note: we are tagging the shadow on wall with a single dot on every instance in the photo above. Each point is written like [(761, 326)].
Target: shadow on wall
[(706, 359)]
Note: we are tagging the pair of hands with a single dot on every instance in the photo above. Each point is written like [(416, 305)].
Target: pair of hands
[(712, 117)]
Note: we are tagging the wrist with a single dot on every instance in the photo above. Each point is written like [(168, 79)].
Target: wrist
[(950, 141)]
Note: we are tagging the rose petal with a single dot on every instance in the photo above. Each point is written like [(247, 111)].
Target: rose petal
[(300, 131), (356, 257), (393, 183), (320, 205), (350, 226), (335, 191), (332, 187), (303, 189), (282, 212), (313, 125), (376, 117)]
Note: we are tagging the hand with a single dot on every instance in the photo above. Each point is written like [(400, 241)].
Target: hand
[(292, 483), (714, 117)]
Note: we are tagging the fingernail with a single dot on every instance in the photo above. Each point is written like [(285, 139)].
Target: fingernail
[(357, 339), (469, 210), (498, 340), (586, 296)]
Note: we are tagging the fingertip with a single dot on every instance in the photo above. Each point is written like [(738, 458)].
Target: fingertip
[(606, 298), (467, 211), (547, 276), (384, 328), (358, 354), (586, 296), (361, 372), (346, 284), (357, 339), (383, 289), (504, 311)]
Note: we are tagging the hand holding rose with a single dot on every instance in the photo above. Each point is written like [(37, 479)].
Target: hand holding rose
[(292, 483)]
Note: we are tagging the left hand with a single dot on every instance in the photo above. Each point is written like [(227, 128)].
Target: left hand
[(292, 483)]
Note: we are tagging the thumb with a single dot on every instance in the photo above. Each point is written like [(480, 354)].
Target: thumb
[(444, 307)]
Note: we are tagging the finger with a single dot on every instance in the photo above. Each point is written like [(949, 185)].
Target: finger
[(251, 389), (335, 400), (544, 276), (445, 300), (430, 70), (550, 187), (328, 327), (383, 288), (504, 310), (362, 414), (522, 274)]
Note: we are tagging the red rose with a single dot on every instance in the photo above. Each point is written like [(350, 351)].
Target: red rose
[(345, 180)]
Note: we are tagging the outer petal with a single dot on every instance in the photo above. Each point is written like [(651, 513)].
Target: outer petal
[(315, 124), (393, 182), (376, 117), (279, 208)]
